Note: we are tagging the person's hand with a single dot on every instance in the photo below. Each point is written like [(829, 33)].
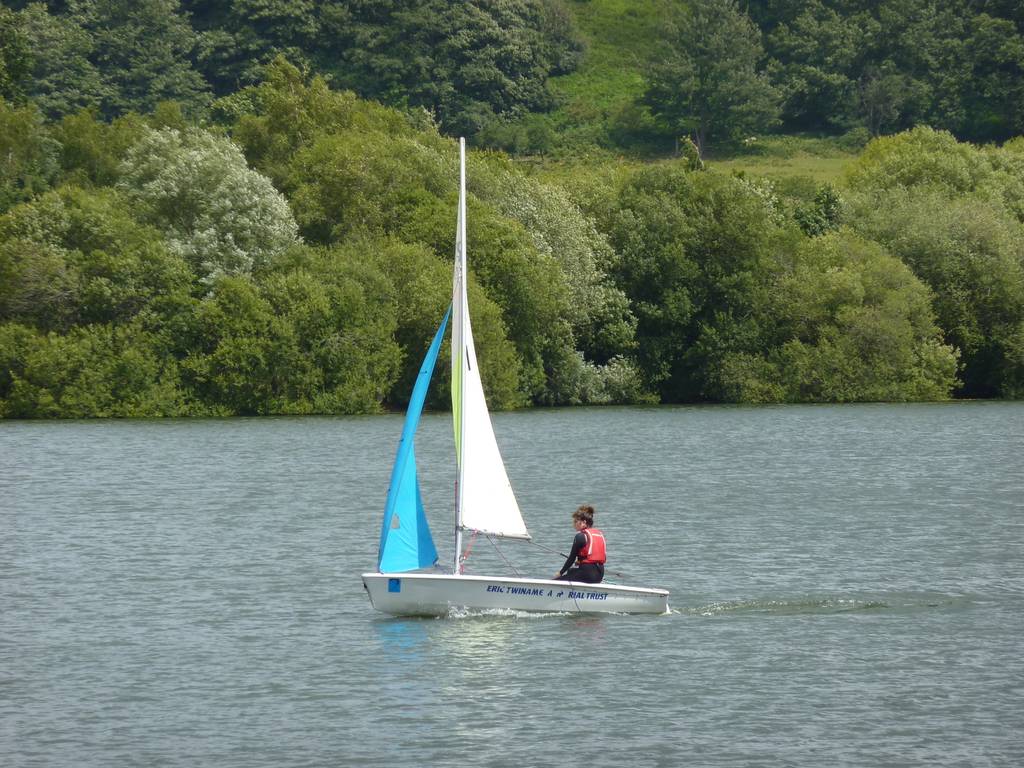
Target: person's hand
[(555, 577)]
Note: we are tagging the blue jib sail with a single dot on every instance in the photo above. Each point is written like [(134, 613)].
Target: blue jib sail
[(405, 540)]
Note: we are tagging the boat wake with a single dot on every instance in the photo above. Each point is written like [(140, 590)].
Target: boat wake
[(830, 605)]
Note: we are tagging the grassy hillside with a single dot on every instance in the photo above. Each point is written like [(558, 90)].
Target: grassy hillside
[(597, 99), (619, 36)]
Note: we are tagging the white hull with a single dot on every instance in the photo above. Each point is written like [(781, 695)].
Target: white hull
[(426, 594)]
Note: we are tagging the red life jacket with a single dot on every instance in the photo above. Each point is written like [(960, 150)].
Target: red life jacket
[(593, 551)]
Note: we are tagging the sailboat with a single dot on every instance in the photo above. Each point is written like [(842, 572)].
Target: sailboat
[(408, 581)]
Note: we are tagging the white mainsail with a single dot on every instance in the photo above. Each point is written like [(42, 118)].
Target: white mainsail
[(484, 499)]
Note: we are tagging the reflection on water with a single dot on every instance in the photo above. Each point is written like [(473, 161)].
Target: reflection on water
[(401, 638)]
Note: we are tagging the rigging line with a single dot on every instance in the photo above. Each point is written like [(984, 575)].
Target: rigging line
[(494, 544), (465, 555), (546, 549), (618, 574)]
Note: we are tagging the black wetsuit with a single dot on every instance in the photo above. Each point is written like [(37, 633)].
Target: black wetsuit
[(590, 573)]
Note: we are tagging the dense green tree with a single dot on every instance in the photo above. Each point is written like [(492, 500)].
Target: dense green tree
[(823, 213), (694, 250), (953, 214), (14, 56), (993, 95), (65, 79), (358, 181), (964, 63), (243, 353), (94, 311), (956, 65), (844, 321), (528, 286), (143, 50), (422, 291), (342, 356), (93, 371), (466, 62), (920, 43), (972, 256), (815, 67), (353, 170), (38, 285), (99, 318), (112, 55), (166, 275), (93, 150), (302, 342), (16, 343), (1011, 10), (351, 186), (734, 305), (281, 22), (602, 323), (769, 14), (29, 156), (890, 99), (285, 113), (708, 83), (77, 257), (927, 158), (1006, 181), (236, 39)]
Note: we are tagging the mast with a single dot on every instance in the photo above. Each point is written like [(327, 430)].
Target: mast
[(461, 310), (484, 499)]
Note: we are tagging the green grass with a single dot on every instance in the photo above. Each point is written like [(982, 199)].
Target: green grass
[(579, 170), (781, 157), (619, 36), (821, 169)]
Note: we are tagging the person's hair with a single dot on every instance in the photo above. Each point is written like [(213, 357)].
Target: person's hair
[(584, 512)]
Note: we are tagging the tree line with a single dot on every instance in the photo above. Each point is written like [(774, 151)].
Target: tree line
[(465, 63), (724, 71), (292, 254), (719, 71)]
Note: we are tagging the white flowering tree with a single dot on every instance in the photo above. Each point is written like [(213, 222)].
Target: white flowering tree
[(215, 211)]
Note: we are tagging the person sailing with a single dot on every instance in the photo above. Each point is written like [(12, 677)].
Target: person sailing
[(587, 556)]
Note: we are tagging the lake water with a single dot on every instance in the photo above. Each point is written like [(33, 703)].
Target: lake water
[(847, 589)]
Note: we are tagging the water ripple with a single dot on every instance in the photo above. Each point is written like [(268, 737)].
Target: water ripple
[(847, 589)]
